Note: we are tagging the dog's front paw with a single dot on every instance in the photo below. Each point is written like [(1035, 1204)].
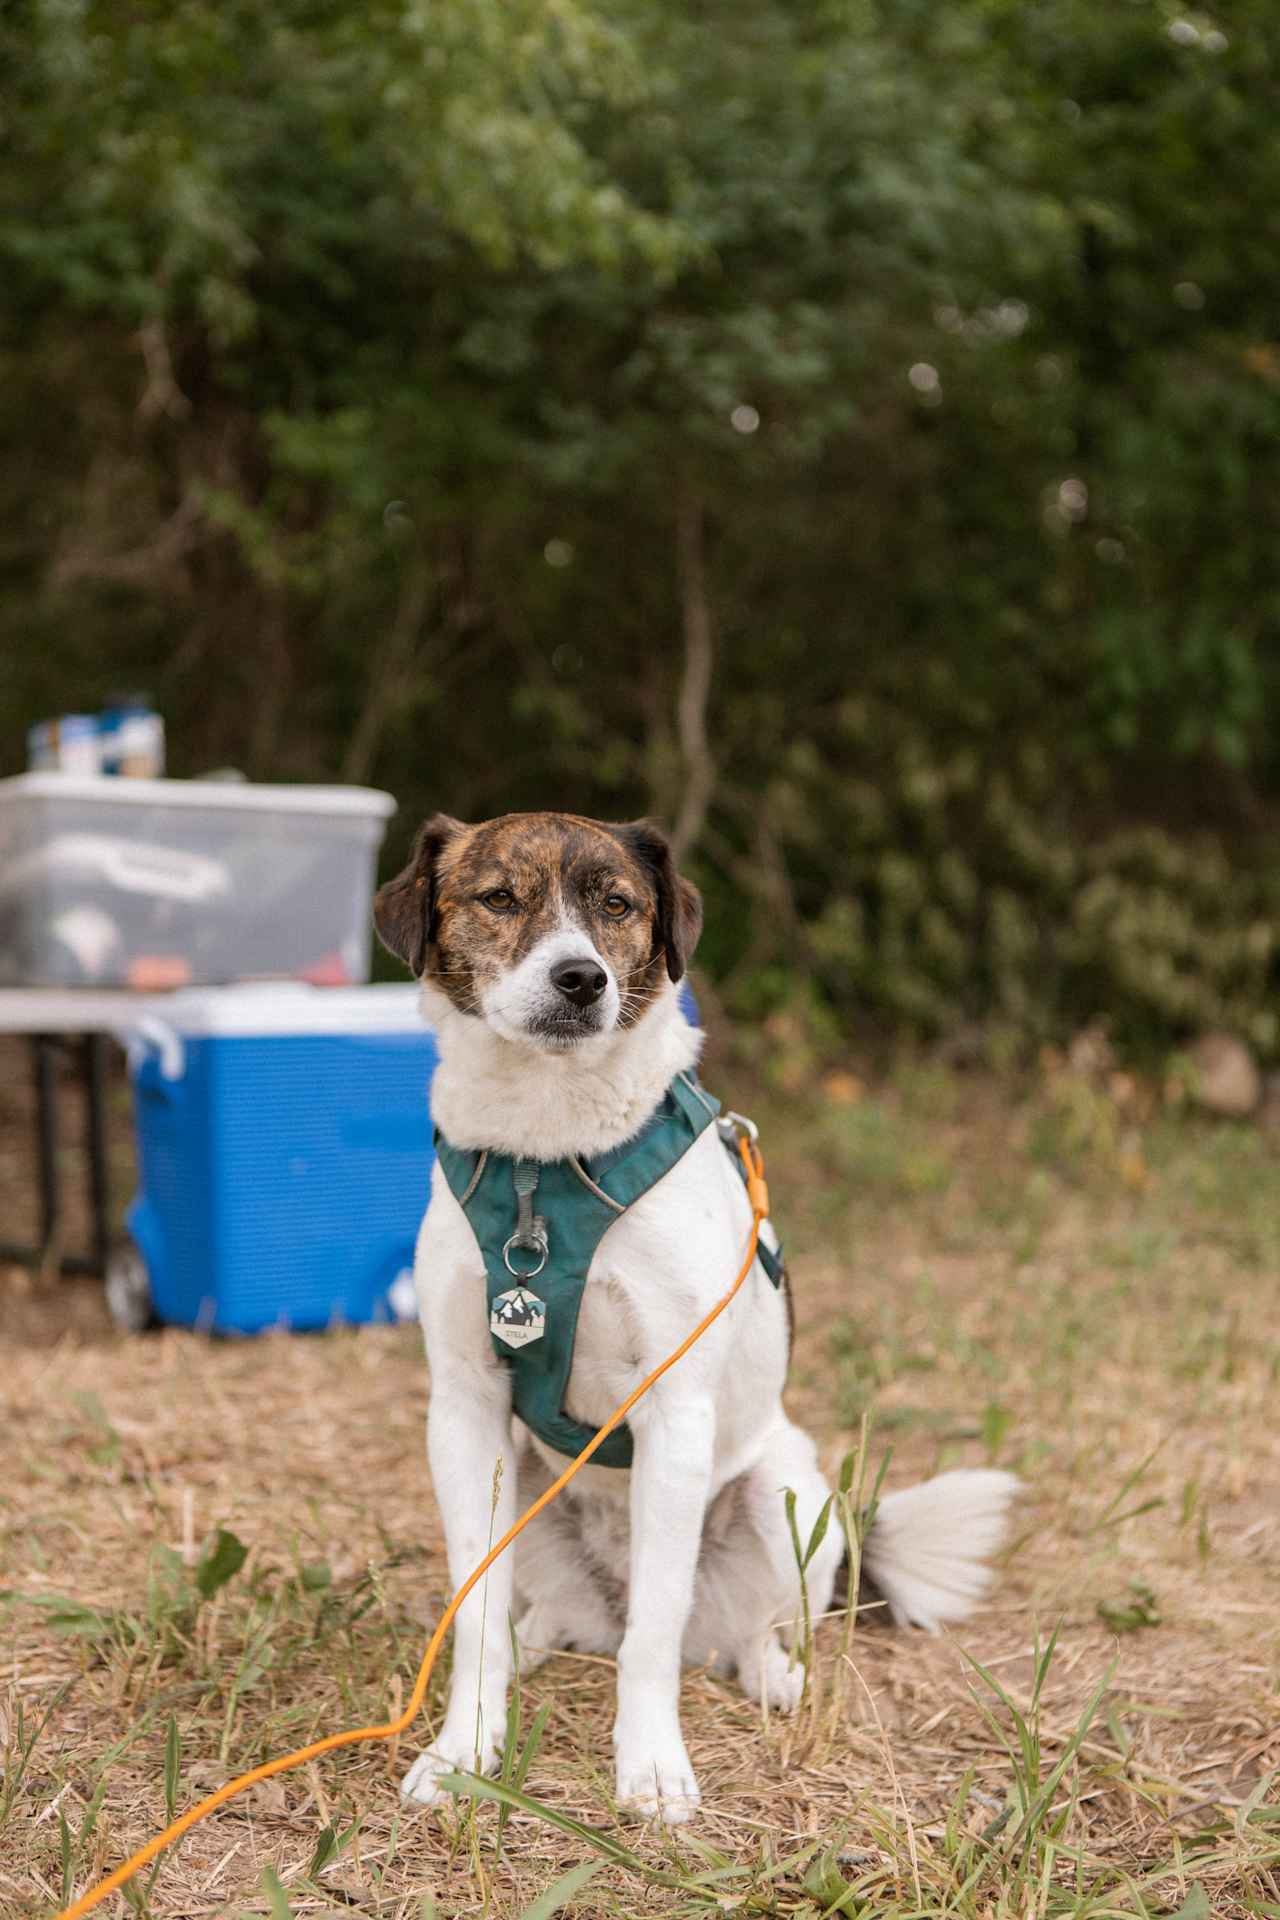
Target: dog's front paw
[(659, 1786), (422, 1782)]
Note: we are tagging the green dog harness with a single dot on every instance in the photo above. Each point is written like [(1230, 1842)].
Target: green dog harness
[(538, 1224)]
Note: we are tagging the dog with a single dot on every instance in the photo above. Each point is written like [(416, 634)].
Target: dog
[(549, 949)]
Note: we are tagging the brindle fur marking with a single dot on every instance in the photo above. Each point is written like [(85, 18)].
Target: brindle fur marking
[(560, 867)]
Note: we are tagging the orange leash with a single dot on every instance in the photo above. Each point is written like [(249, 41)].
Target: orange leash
[(758, 1193)]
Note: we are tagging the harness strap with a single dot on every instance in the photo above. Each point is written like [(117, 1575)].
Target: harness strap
[(536, 1263), (531, 1228)]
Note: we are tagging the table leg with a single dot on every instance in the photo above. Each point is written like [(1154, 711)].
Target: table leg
[(95, 1082), (45, 1063)]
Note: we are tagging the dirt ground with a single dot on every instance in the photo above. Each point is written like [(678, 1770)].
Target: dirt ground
[(1059, 1275)]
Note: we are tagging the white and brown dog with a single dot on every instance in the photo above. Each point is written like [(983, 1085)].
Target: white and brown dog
[(549, 948)]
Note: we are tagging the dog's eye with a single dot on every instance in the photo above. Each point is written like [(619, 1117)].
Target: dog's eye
[(498, 899), (616, 907)]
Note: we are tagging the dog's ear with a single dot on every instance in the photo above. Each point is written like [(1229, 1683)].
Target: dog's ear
[(679, 903), (404, 910)]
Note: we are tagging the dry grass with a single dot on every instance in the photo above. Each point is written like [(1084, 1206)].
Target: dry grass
[(1044, 1279)]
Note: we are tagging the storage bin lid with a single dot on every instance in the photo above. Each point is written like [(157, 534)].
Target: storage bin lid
[(208, 795), (287, 1007)]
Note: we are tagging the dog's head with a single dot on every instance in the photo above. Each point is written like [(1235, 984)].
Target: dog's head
[(549, 928)]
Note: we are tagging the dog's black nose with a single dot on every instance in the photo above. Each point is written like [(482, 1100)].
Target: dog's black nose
[(581, 981)]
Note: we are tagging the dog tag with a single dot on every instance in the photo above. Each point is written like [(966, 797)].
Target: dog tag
[(518, 1317)]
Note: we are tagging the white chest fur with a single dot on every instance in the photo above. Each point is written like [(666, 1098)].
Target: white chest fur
[(493, 1092)]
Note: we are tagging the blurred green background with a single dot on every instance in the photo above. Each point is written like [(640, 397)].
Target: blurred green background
[(846, 430)]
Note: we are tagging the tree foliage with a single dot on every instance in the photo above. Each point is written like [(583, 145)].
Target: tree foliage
[(850, 431)]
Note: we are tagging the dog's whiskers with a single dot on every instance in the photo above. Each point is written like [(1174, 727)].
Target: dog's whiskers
[(658, 955)]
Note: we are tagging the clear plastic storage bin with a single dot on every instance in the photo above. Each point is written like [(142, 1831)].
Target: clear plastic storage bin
[(163, 883)]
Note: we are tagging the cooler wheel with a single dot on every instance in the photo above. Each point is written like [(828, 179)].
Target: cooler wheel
[(129, 1299)]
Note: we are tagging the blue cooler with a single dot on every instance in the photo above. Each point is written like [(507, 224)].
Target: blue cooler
[(284, 1150)]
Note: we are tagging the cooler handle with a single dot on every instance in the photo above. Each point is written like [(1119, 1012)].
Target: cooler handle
[(148, 1035)]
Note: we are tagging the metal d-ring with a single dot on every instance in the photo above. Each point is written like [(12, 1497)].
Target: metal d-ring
[(534, 1242), (733, 1124)]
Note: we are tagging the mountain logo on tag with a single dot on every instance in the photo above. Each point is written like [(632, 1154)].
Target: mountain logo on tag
[(518, 1317)]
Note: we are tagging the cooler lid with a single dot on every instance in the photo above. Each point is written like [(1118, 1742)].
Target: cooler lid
[(288, 1007), (230, 795)]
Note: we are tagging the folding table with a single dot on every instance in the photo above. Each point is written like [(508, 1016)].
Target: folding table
[(80, 1023)]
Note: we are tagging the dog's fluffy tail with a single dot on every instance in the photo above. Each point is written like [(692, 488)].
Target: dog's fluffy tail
[(928, 1550)]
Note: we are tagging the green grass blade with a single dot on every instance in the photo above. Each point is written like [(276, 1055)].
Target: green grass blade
[(563, 1891), (221, 1561), (602, 1843), (172, 1765), (867, 1517), (64, 1853), (326, 1847), (1043, 1662), (529, 1751), (280, 1908), (819, 1533), (26, 1747), (1126, 1487), (1035, 1812), (513, 1707), (789, 1503)]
